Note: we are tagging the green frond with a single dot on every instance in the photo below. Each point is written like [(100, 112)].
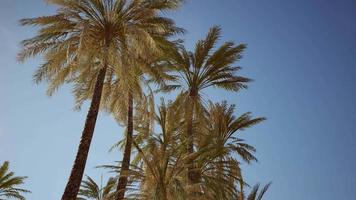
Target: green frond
[(9, 183)]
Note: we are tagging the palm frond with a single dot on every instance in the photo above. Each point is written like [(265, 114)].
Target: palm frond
[(9, 183)]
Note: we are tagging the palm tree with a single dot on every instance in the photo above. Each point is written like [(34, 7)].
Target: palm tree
[(161, 156), (218, 165), (162, 160), (158, 170), (90, 190), (205, 67), (9, 184), (134, 94), (81, 39), (223, 128), (254, 194), (154, 174), (126, 89)]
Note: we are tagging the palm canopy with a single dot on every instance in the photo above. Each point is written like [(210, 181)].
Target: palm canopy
[(82, 33), (219, 147), (208, 66), (84, 40), (9, 184), (161, 155), (159, 169), (223, 128)]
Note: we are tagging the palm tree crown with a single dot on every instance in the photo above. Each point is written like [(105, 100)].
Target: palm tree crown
[(84, 32), (9, 183), (84, 41), (206, 67)]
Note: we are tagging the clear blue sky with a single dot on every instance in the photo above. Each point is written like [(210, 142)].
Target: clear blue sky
[(301, 55)]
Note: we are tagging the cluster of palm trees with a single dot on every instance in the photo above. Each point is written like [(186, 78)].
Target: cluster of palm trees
[(118, 54)]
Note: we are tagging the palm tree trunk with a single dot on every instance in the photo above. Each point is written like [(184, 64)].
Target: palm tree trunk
[(192, 177), (76, 175), (189, 118), (125, 165), (193, 174)]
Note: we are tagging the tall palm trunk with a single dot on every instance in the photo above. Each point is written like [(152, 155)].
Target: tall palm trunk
[(76, 175), (125, 165), (193, 174)]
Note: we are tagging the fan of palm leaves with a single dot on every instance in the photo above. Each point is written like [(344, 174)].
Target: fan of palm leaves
[(9, 184)]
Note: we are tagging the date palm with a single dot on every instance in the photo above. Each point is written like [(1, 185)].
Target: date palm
[(225, 127), (81, 38), (90, 190), (9, 184), (156, 174), (203, 68), (219, 165), (163, 159), (161, 156), (122, 98), (121, 104)]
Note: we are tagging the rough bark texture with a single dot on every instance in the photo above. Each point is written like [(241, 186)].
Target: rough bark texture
[(193, 174), (76, 175), (125, 166)]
